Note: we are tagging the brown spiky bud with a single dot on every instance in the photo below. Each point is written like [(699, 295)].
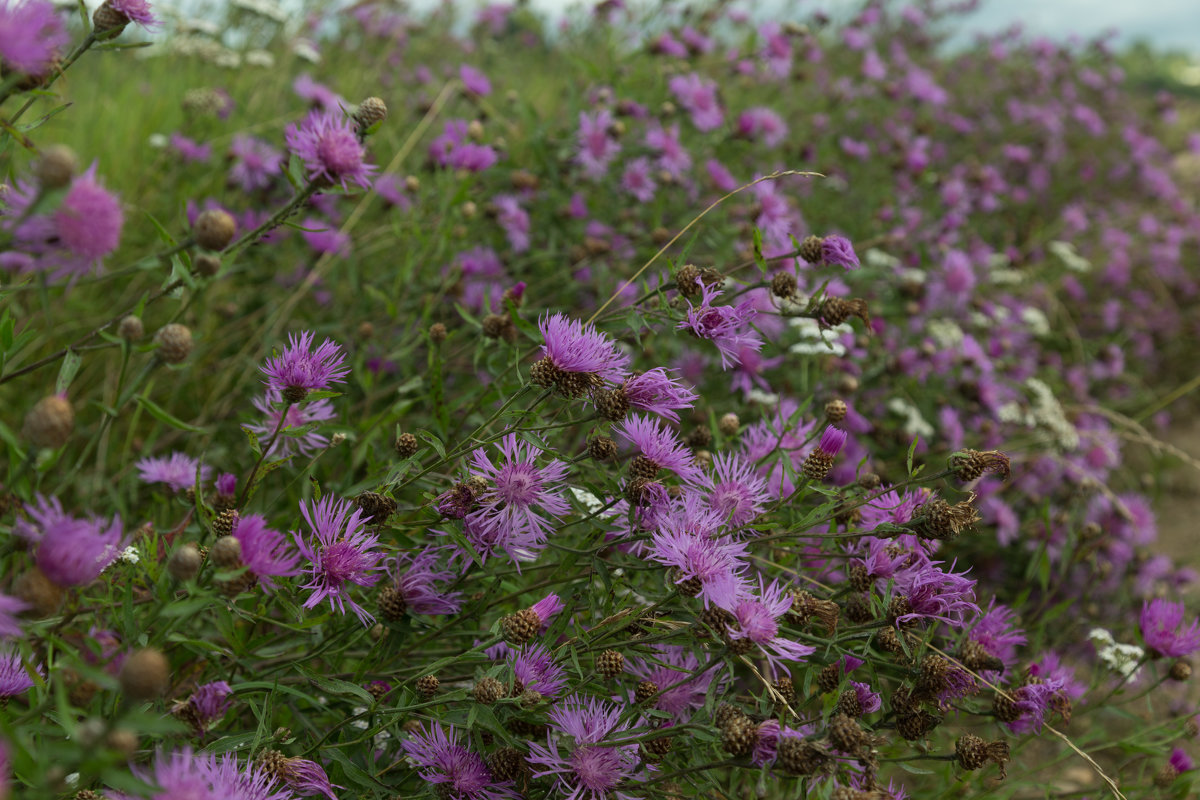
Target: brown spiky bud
[(860, 578), (380, 689), (784, 687), (488, 691), (601, 448), (1191, 728), (611, 404), (226, 553), (106, 18), (974, 657), (698, 438), (810, 249), (427, 685), (521, 627), (739, 735), (974, 753), (42, 595), (88, 794), (849, 704), (544, 373), (392, 604), (131, 328), (407, 445), (214, 229), (645, 690), (971, 464), (185, 562), (610, 663), (1166, 776), (835, 410), (370, 112), (845, 734), (206, 265), (376, 507), (729, 424), (937, 519), (800, 756), (1180, 671), (49, 423), (688, 587), (531, 698), (145, 675), (916, 724), (638, 490), (806, 608), (783, 284), (657, 748), (726, 712), (1005, 708), (500, 326), (576, 384), (437, 333), (869, 481), (817, 465), (224, 523), (829, 678), (174, 343), (858, 609), (836, 310), (56, 166), (507, 764), (644, 468), (686, 280), (888, 641)]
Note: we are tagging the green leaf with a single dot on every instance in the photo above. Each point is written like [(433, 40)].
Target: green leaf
[(162, 415), (336, 686), (435, 441), (66, 373), (253, 437), (912, 448)]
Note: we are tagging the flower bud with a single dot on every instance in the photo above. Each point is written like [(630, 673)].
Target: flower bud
[(185, 562), (214, 229), (145, 675), (174, 343), (131, 329), (57, 166), (729, 424), (49, 423)]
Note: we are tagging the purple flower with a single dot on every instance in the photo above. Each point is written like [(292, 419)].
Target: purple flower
[(715, 563), (299, 417), (597, 147), (728, 327), (589, 770), (578, 348), (832, 441), (546, 610), (413, 578), (255, 163), (1180, 760), (699, 97), (757, 620), (182, 773), (205, 706), (137, 11), (446, 763), (70, 551), (837, 251), (177, 471), (89, 220), (300, 369), (514, 220), (265, 552), (636, 180), (763, 124), (672, 155), (14, 675), (737, 494), (656, 392), (535, 669), (868, 700), (474, 81), (518, 486), (659, 445), (997, 635), (1163, 631), (189, 150), (31, 35), (10, 607), (304, 777), (667, 669), (343, 553), (931, 593), (317, 94), (329, 147)]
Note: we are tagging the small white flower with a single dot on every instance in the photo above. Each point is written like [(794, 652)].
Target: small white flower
[(157, 140), (877, 258), (1065, 251), (589, 500), (130, 555), (1120, 658)]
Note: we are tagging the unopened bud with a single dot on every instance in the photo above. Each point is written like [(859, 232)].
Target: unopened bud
[(49, 423), (184, 563), (145, 675), (57, 166), (174, 342), (131, 329), (214, 229)]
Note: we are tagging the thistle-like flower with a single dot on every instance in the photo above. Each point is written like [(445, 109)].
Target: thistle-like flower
[(177, 471), (328, 145), (454, 770), (70, 551), (300, 369), (576, 357), (340, 552), (589, 766)]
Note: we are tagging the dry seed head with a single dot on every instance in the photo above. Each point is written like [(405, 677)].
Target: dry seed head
[(698, 438), (858, 609), (145, 675), (174, 342), (860, 578), (488, 691), (370, 111), (829, 678), (407, 445), (376, 507), (645, 690), (185, 562), (507, 764), (916, 724), (845, 734), (610, 663), (49, 423), (810, 249), (427, 685), (784, 687), (849, 704), (601, 448), (521, 627), (392, 604), (835, 410), (729, 424), (836, 310), (800, 756), (783, 284), (131, 328), (214, 229), (971, 464), (739, 735)]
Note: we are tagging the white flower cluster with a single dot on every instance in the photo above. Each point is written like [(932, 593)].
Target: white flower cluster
[(817, 342), (264, 8), (1046, 413), (1065, 251), (914, 423), (877, 258), (945, 333), (1120, 658)]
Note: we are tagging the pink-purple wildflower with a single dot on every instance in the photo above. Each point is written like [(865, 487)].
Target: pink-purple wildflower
[(70, 551), (178, 471), (31, 36), (341, 552), (454, 770), (579, 755), (328, 145), (266, 553), (300, 369), (1163, 630)]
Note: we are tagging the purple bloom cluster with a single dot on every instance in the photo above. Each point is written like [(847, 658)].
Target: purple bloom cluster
[(340, 552), (70, 551)]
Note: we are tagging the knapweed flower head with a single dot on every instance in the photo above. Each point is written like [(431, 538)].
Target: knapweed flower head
[(10, 607), (658, 446), (727, 327), (839, 252), (340, 551), (266, 553), (86, 226), (255, 163), (70, 551), (302, 776), (708, 567), (454, 771), (328, 145), (31, 36), (592, 768), (520, 493), (535, 670), (135, 11), (1163, 630), (205, 706), (14, 675), (667, 667), (203, 776), (576, 357), (299, 417), (699, 97), (178, 471), (995, 635), (738, 494), (932, 593), (415, 578), (300, 369), (597, 146), (657, 392), (757, 620)]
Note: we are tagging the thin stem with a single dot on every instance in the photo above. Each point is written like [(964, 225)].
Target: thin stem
[(263, 454)]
